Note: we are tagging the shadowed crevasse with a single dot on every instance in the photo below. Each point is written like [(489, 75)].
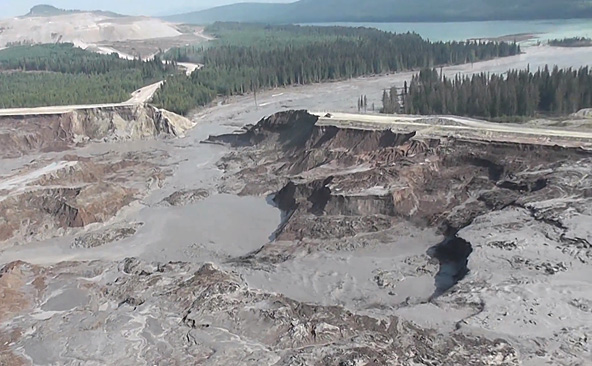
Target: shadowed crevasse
[(453, 254)]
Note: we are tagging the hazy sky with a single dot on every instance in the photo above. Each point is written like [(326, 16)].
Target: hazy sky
[(10, 8)]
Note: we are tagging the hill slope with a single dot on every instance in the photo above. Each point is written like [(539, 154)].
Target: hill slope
[(44, 10), (391, 10)]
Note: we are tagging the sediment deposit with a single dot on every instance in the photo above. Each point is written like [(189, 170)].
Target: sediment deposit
[(356, 270), (185, 314), (378, 244)]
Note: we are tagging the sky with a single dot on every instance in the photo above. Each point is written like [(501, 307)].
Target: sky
[(10, 8)]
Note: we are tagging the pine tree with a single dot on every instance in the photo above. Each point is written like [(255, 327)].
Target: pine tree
[(520, 93)]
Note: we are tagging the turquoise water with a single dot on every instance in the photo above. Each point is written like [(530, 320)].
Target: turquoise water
[(460, 31)]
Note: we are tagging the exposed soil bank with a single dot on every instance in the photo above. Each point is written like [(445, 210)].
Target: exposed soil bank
[(50, 195), (25, 134), (358, 205), (370, 179), (526, 300)]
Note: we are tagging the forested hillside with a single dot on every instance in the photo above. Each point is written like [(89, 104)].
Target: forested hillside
[(46, 89), (310, 11), (67, 59), (244, 58), (61, 74), (518, 93), (274, 56)]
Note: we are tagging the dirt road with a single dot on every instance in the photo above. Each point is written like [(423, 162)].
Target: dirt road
[(144, 94), (190, 67), (459, 127)]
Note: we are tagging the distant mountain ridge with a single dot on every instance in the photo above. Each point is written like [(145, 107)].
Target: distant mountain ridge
[(45, 10), (311, 11)]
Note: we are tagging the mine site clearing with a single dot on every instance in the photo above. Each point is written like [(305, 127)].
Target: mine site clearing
[(130, 37)]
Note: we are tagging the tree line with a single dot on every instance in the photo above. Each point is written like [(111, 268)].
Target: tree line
[(67, 59), (517, 93), (391, 100), (571, 42), (49, 88), (61, 74), (286, 55)]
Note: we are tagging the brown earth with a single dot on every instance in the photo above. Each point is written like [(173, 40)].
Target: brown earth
[(50, 197), (185, 197), (28, 133), (335, 182)]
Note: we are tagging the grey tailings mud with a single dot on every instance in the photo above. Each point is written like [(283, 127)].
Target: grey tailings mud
[(365, 207)]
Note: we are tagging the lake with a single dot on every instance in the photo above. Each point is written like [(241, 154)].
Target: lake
[(460, 31)]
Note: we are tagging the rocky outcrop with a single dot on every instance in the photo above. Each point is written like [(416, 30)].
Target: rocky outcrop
[(24, 134), (185, 197)]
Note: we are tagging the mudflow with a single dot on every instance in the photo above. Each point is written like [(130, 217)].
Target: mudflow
[(387, 247)]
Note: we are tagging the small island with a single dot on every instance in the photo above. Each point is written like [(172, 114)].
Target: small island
[(571, 42)]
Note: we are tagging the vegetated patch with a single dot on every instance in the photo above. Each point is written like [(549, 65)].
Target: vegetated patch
[(65, 75), (571, 42), (387, 11), (44, 10), (517, 93)]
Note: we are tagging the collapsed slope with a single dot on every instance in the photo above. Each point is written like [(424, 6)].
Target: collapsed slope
[(356, 274), (60, 190), (511, 216), (321, 170), (22, 134), (49, 198)]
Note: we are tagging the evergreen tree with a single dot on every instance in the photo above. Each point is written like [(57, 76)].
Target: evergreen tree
[(519, 93), (279, 56)]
